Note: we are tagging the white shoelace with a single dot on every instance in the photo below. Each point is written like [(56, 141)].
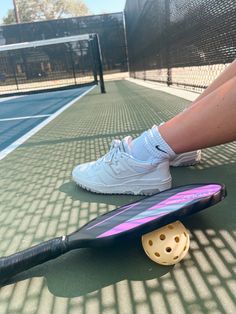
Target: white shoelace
[(117, 146), (114, 152)]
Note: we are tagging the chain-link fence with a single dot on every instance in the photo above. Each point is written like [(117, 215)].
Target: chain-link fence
[(180, 42)]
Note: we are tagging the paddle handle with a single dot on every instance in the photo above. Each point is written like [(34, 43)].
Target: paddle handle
[(36, 255)]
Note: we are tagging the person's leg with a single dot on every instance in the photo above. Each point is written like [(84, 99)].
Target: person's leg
[(141, 166), (225, 76), (193, 157), (210, 121)]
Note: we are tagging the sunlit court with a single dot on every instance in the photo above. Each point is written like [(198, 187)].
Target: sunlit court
[(99, 211)]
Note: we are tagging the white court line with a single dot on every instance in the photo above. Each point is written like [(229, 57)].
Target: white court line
[(23, 118), (9, 98), (25, 137)]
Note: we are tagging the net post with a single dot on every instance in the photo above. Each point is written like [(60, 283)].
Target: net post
[(99, 61)]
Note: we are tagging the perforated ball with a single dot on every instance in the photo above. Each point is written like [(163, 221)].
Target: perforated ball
[(167, 245)]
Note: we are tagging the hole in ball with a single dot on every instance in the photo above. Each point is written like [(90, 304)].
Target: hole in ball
[(150, 242), (162, 237), (168, 249), (177, 239), (170, 227), (157, 254), (176, 257)]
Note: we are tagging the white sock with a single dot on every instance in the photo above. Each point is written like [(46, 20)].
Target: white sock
[(151, 147)]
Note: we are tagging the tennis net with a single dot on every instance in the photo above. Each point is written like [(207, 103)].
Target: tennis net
[(50, 64)]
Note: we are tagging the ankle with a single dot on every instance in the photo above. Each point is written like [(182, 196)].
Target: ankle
[(151, 147)]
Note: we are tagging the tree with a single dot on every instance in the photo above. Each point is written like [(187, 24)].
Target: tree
[(10, 18), (39, 10)]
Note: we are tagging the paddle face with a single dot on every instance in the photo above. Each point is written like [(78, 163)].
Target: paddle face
[(148, 214)]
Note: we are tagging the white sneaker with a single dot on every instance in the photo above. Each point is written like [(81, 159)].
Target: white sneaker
[(186, 159), (119, 173)]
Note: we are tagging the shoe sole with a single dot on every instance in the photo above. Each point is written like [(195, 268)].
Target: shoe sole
[(162, 187)]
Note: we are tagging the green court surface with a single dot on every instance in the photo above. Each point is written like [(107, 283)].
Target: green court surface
[(39, 201)]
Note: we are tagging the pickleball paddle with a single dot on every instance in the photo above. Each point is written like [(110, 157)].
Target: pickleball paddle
[(125, 222)]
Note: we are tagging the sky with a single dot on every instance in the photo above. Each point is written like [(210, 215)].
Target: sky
[(95, 6)]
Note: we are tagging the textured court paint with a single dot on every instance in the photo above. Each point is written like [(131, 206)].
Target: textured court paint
[(39, 201), (165, 207)]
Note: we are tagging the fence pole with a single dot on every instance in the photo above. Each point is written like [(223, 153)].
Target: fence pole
[(13, 69), (167, 42)]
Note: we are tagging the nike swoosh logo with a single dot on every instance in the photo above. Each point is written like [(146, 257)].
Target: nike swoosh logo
[(161, 150)]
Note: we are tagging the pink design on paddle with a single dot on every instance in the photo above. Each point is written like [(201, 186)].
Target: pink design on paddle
[(165, 207)]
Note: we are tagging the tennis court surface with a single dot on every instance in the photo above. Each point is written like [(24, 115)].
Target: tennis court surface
[(39, 201), (21, 114)]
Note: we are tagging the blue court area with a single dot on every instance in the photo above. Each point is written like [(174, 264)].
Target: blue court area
[(19, 115)]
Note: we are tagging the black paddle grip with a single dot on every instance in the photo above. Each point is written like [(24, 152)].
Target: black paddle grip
[(41, 253)]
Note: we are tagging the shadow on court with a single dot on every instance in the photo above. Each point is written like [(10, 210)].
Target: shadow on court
[(38, 201), (87, 270), (212, 253)]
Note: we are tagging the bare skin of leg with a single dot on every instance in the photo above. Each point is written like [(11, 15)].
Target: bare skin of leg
[(225, 76), (210, 121)]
